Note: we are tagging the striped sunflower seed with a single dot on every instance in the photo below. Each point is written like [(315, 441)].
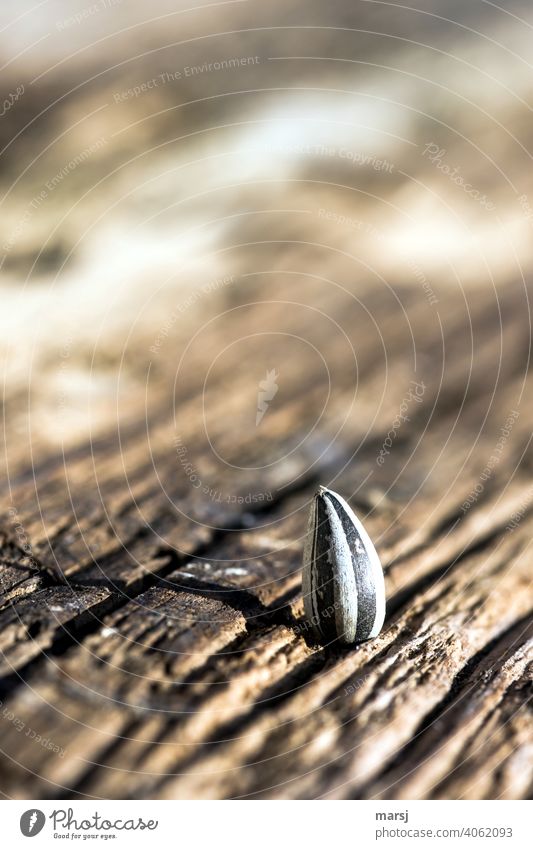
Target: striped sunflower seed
[(343, 586)]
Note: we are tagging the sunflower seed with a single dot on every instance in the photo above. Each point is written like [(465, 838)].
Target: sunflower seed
[(343, 586)]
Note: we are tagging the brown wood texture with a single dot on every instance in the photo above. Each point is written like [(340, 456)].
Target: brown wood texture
[(152, 636)]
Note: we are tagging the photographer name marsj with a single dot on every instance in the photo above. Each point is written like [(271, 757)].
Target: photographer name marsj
[(67, 826), (402, 816)]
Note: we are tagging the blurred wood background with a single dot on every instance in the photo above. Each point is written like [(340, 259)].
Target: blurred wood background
[(285, 231)]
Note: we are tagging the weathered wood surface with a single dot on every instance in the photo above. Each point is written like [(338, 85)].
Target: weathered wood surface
[(152, 636)]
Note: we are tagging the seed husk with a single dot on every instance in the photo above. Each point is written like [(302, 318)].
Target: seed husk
[(343, 586)]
